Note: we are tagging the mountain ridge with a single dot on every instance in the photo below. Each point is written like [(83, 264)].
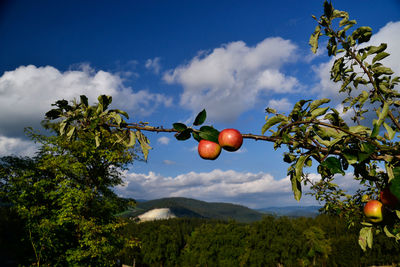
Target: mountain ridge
[(187, 207)]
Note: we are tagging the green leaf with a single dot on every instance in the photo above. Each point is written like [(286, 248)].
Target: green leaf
[(299, 166), (365, 238), (296, 187), (132, 139), (362, 34), (288, 158), (209, 133), (272, 121), (368, 148), (328, 9), (196, 136), (359, 129), (389, 172), (184, 135), (200, 118), (388, 233), (316, 103), (97, 139), (376, 49), (314, 39), (53, 114), (395, 183), (380, 56), (383, 114), (334, 165), (105, 101), (318, 112), (179, 126), (350, 157), (144, 143), (116, 117), (390, 131), (375, 130), (84, 101), (71, 132), (120, 112), (380, 70), (62, 126)]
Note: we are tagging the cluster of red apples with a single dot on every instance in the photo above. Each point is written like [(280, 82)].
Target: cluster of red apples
[(374, 209), (228, 139)]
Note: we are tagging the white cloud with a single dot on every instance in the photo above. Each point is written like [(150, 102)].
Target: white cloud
[(280, 104), (16, 146), (153, 65), (164, 140), (27, 92), (230, 79), (255, 190)]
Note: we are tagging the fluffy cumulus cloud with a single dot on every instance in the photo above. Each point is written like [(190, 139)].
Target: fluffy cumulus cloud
[(255, 190), (27, 92), (230, 79), (389, 34)]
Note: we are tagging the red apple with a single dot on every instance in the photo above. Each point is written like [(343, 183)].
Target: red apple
[(230, 139), (208, 149), (373, 211), (388, 199)]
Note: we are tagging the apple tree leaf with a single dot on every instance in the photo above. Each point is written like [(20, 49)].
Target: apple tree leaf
[(365, 238), (180, 127), (395, 183), (200, 118), (184, 135), (209, 133), (296, 186)]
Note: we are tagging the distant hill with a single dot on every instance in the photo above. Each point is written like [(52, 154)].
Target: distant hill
[(292, 211), (186, 207), (192, 208)]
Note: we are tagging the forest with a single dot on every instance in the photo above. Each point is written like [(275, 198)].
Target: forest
[(273, 241)]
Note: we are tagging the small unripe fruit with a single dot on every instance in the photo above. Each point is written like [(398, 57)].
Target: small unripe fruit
[(230, 139), (208, 149), (373, 211)]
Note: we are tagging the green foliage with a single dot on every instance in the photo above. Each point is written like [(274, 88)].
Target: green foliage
[(205, 132), (322, 241), (314, 132), (72, 120), (64, 194)]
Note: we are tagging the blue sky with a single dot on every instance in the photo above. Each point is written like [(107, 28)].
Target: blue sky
[(163, 62)]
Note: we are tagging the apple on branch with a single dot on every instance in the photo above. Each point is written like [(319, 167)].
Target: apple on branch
[(230, 139), (208, 150), (373, 211)]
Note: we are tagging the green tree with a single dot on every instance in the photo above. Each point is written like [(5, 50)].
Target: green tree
[(317, 244), (218, 244), (64, 194)]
